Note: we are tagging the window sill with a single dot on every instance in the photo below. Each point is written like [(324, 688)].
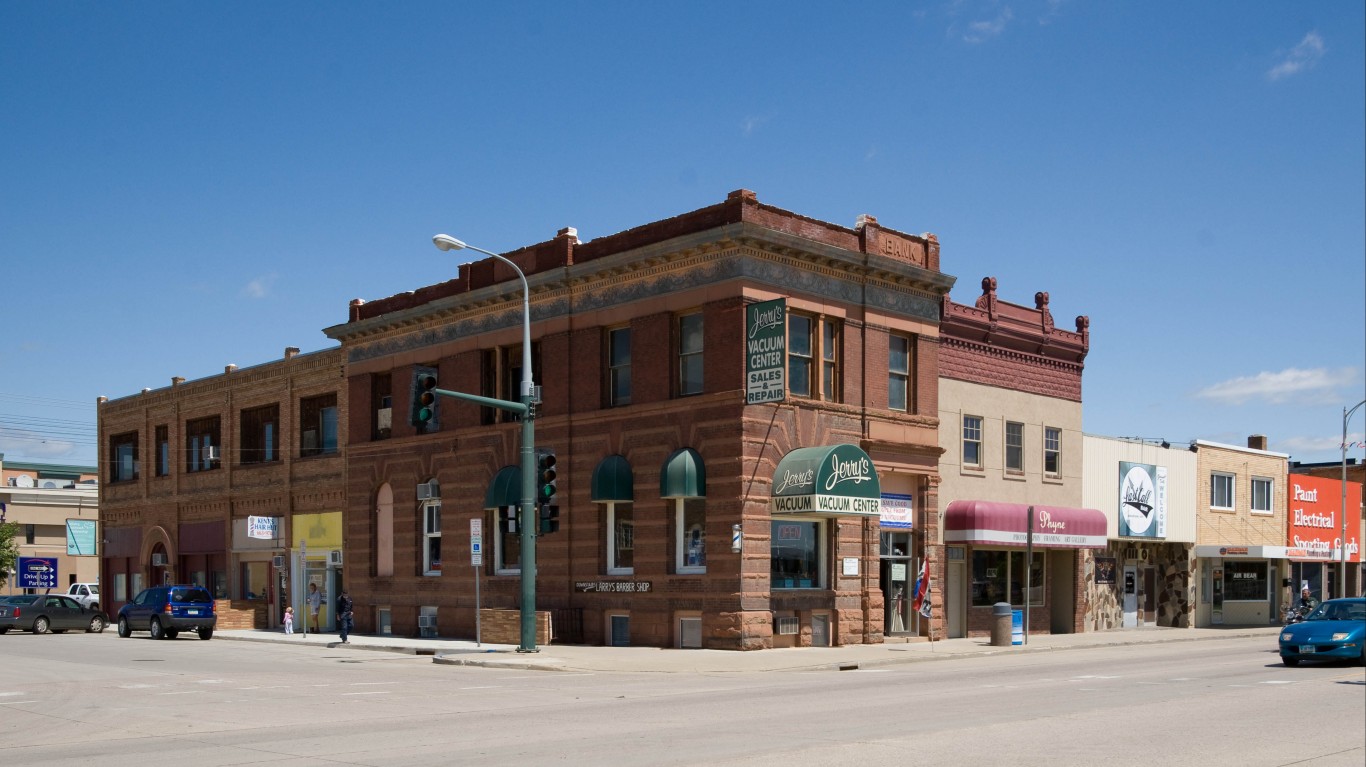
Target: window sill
[(1259, 513), (1014, 476), (972, 471), (691, 571), (1223, 509), (621, 571), (508, 572), (1053, 479)]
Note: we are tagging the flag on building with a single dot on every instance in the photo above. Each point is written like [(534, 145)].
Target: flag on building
[(922, 589)]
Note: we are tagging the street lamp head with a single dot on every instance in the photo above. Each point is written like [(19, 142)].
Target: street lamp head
[(447, 242)]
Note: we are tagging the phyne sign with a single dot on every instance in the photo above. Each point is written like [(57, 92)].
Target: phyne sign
[(766, 352)]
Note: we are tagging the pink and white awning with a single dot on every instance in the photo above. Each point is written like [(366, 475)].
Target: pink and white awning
[(1005, 524)]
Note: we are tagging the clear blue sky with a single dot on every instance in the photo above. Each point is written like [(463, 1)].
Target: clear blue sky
[(187, 185)]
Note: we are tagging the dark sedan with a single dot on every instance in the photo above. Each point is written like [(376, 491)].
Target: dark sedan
[(41, 613), (1335, 630)]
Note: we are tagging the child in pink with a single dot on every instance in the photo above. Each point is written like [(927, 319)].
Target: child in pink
[(289, 620)]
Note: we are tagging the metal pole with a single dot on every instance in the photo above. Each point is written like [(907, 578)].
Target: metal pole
[(1342, 571), (1029, 563), (478, 628)]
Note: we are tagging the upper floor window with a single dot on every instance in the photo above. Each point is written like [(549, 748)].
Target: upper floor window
[(202, 444), (690, 354), (500, 377), (431, 538), (899, 373), (619, 366), (1221, 490), (123, 450), (382, 405), (972, 441), (163, 435), (260, 435), (810, 339), (1052, 451), (1014, 447), (318, 425), (1262, 488)]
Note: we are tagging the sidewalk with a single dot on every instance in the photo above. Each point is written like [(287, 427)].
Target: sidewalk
[(653, 659)]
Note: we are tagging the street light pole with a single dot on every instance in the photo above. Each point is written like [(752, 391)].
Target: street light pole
[(1342, 571), (527, 516)]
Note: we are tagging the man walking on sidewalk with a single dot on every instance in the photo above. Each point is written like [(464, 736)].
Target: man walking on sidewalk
[(344, 616)]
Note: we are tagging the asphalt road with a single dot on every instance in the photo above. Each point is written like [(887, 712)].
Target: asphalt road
[(74, 699)]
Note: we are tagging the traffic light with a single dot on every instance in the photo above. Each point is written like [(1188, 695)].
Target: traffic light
[(546, 502), (423, 411)]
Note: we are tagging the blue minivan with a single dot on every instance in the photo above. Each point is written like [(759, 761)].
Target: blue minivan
[(166, 611)]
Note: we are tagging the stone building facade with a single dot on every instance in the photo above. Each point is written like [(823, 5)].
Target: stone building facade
[(669, 532), (234, 482)]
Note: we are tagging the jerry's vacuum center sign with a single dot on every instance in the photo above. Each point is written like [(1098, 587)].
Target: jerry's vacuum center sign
[(766, 352), (830, 480)]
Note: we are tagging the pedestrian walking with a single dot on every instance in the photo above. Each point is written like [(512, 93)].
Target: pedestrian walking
[(289, 620), (315, 603), (344, 616)]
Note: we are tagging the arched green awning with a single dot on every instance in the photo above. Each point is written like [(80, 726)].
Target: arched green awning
[(505, 489), (826, 481), (612, 481), (684, 475)]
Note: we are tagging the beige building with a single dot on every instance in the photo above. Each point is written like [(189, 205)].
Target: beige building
[(1146, 490), (1241, 556), (57, 510)]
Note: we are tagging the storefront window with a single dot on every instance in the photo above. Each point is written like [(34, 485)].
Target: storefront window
[(1245, 582), (997, 573), (508, 556), (796, 555)]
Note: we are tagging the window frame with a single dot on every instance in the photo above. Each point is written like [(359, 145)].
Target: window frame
[(314, 417), (966, 439), (501, 516), (1016, 443), (163, 448), (682, 508), (121, 446), (1052, 435), (1014, 561), (618, 366), (1270, 484), (431, 537), (202, 433), (691, 368), (821, 556), (901, 375), (258, 435), (1216, 479), (381, 398), (817, 352), (615, 516), (831, 356)]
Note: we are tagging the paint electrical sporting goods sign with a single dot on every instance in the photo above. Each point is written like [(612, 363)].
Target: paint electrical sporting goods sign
[(766, 352), (1315, 517), (1142, 500)]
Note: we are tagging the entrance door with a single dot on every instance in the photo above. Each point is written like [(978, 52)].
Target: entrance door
[(1130, 593), (1149, 596), (897, 583), (955, 599)]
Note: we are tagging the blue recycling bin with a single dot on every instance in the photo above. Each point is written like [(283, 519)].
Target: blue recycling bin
[(1017, 627)]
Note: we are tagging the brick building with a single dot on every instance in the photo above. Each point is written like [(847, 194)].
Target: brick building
[(219, 481), (639, 342), (1010, 430)]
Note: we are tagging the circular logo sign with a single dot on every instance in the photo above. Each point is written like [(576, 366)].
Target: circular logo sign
[(1136, 500)]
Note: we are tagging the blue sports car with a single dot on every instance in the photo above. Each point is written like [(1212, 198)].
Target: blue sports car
[(1335, 630)]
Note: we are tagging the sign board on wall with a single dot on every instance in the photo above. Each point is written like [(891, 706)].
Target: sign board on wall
[(263, 528), (897, 511), (1142, 500), (80, 538), (766, 352), (37, 572), (1315, 523)]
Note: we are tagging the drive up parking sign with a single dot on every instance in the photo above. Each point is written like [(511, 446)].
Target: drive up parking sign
[(37, 572)]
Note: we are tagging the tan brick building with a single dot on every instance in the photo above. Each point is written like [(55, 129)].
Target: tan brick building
[(52, 503), (218, 481), (640, 344)]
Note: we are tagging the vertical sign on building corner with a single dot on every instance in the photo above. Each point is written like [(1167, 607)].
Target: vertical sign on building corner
[(766, 352), (476, 542)]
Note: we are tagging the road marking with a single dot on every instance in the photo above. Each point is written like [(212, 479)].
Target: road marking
[(136, 686), (182, 692), (376, 692), (1182, 679), (210, 681), (360, 684), (16, 702), (11, 693), (485, 687), (1279, 681)]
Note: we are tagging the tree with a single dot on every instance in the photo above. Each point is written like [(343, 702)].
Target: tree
[(9, 551)]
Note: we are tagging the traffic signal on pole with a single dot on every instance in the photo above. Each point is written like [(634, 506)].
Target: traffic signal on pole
[(546, 502), (424, 397)]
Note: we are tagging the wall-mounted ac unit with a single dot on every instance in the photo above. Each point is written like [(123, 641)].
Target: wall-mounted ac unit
[(1144, 554), (787, 625), (426, 621), (334, 557), (1131, 552), (277, 561), (210, 453), (158, 559), (427, 491), (384, 418)]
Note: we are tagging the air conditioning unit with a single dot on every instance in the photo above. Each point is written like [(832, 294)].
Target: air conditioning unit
[(334, 557), (426, 492), (426, 621), (158, 560), (384, 418), (1143, 554), (787, 625), (210, 453), (1131, 552), (277, 561)]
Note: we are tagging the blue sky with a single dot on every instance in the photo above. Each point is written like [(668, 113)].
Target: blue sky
[(187, 185)]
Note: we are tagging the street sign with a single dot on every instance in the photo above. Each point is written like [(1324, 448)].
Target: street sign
[(37, 572), (476, 542)]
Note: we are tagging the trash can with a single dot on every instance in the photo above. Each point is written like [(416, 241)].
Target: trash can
[(1001, 628)]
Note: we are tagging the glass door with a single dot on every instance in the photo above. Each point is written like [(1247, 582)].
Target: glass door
[(897, 583)]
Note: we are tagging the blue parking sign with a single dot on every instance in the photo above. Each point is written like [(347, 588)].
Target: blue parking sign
[(37, 572)]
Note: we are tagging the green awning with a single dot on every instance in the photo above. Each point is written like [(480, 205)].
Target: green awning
[(826, 481), (683, 476), (505, 489), (612, 481)]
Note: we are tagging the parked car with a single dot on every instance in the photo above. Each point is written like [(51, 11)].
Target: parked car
[(87, 594), (166, 611), (1335, 630), (41, 613)]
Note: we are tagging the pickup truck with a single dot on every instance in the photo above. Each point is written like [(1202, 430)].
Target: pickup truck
[(88, 594)]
